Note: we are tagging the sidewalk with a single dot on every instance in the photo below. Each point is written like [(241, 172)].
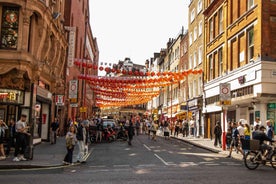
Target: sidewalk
[(208, 144), (45, 155)]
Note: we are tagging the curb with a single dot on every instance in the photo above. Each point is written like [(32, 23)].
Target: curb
[(197, 145), (15, 167), (30, 166)]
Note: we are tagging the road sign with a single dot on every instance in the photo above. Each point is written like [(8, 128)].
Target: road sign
[(225, 102), (74, 105), (225, 91)]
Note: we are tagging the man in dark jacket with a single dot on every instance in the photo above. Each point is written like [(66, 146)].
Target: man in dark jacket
[(130, 132), (217, 132), (261, 136)]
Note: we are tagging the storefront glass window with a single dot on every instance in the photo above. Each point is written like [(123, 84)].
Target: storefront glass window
[(9, 28)]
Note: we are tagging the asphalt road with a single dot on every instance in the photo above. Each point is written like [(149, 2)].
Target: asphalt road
[(147, 161)]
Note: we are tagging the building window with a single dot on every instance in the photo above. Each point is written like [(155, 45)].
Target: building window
[(191, 38), (195, 59), (211, 67), (250, 4), (190, 90), (200, 55), (199, 85), (195, 33), (220, 21), (250, 38), (211, 29), (9, 27), (220, 61), (195, 89), (191, 62), (199, 6), (200, 28), (192, 15)]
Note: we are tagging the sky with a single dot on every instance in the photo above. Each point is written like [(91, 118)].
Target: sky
[(135, 28)]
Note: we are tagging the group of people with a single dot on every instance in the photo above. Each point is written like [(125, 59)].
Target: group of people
[(77, 134), (239, 134), (15, 135)]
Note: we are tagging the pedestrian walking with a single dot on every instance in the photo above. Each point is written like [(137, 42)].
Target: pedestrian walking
[(166, 130), (54, 130), (81, 137), (177, 128), (192, 126), (154, 130), (235, 140), (137, 127), (70, 144), (269, 130), (185, 127), (130, 133), (228, 137), (3, 128), (217, 133), (11, 136), (21, 129), (99, 131)]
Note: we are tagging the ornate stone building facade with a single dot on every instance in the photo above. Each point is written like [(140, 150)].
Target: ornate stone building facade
[(32, 59)]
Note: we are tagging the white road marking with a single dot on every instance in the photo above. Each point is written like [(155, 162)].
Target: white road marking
[(97, 166), (146, 165), (147, 147), (121, 165), (212, 164), (164, 162)]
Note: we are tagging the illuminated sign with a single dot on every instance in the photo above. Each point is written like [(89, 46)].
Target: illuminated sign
[(11, 96)]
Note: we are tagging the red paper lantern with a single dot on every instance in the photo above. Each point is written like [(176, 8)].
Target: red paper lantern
[(101, 68)]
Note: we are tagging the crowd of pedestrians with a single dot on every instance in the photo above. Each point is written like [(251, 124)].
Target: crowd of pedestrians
[(239, 134)]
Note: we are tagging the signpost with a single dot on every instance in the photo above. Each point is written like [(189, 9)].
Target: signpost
[(225, 100)]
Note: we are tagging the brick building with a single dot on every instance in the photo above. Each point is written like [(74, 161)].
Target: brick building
[(240, 51), (32, 59), (82, 47)]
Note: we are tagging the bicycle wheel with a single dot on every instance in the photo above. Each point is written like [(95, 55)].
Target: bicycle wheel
[(250, 160), (273, 160)]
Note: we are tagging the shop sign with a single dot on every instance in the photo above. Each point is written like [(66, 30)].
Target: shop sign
[(44, 93), (59, 100), (73, 89), (71, 46), (11, 96), (192, 103), (83, 109), (271, 105)]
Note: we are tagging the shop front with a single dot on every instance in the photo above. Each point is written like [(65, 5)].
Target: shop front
[(42, 114), (271, 114), (10, 101), (14, 87), (194, 111)]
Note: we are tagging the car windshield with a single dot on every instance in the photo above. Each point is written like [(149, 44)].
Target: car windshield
[(109, 122)]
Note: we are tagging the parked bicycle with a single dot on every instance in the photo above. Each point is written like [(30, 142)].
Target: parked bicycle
[(254, 157)]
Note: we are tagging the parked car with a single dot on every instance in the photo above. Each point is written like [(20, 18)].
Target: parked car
[(110, 122)]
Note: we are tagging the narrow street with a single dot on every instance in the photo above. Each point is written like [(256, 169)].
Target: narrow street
[(147, 161)]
